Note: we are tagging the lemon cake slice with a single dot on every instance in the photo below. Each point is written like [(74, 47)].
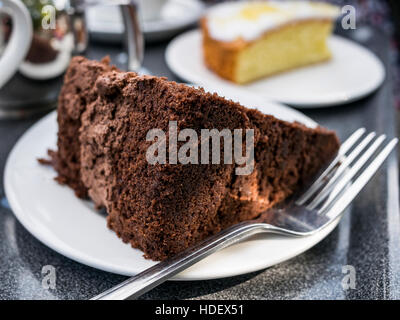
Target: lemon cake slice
[(246, 41)]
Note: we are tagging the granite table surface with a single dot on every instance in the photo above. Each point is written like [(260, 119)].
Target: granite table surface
[(368, 238)]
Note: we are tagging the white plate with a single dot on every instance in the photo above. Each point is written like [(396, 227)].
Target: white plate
[(72, 227), (353, 73), (105, 22)]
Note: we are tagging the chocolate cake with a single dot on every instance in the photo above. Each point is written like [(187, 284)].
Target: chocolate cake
[(162, 209)]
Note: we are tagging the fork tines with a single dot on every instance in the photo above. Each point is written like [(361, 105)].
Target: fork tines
[(358, 159)]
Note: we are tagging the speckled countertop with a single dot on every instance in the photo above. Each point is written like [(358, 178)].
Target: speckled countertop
[(368, 239)]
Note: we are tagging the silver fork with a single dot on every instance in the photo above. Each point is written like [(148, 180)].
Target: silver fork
[(321, 204)]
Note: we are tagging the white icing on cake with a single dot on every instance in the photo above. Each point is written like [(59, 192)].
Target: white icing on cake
[(250, 20)]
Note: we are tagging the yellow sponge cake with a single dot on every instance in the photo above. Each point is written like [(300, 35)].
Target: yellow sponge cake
[(246, 41)]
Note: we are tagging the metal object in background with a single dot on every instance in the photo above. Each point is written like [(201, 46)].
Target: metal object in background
[(134, 41)]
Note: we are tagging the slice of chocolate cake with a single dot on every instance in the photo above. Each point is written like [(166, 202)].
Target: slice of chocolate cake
[(75, 95), (163, 208)]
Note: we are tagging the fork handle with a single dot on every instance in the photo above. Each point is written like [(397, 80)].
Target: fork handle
[(137, 285)]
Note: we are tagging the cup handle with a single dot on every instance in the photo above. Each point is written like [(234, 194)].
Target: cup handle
[(20, 41)]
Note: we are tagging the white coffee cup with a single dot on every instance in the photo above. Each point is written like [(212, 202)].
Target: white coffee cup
[(151, 9), (20, 40)]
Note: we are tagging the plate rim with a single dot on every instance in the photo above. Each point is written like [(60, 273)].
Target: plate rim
[(327, 103), (72, 253)]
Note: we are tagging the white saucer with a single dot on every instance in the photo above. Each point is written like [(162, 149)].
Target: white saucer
[(105, 22), (353, 73), (72, 227)]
